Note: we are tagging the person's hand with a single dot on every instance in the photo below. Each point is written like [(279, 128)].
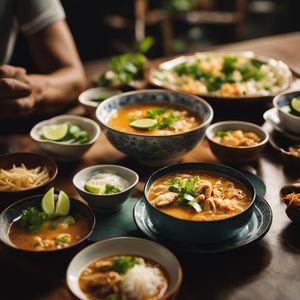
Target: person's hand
[(15, 92)]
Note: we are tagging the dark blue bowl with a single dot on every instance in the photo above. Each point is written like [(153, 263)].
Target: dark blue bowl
[(156, 150), (14, 211), (200, 232)]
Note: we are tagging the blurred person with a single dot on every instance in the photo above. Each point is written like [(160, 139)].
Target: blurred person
[(61, 75)]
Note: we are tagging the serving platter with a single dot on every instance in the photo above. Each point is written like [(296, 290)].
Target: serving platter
[(168, 64), (256, 229)]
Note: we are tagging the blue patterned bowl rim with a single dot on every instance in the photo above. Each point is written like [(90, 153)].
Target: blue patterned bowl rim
[(196, 98)]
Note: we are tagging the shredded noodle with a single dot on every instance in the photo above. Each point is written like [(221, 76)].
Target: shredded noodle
[(21, 178)]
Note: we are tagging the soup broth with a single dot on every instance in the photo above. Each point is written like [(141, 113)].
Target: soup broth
[(124, 277), (198, 196), (170, 119), (51, 236)]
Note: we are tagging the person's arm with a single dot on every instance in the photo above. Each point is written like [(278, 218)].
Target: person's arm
[(56, 57)]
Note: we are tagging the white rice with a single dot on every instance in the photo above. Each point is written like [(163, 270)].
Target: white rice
[(143, 281)]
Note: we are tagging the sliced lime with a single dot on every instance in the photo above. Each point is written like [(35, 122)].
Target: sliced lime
[(62, 205), (55, 132), (48, 204), (92, 188), (295, 105), (144, 123)]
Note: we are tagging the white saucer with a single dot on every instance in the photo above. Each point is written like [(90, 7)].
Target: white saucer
[(271, 116)]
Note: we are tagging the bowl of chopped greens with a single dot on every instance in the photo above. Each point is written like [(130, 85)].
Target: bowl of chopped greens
[(65, 137), (91, 98), (157, 127), (239, 76), (288, 108), (105, 187)]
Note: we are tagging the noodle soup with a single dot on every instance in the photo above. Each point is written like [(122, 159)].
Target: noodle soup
[(154, 119), (198, 196)]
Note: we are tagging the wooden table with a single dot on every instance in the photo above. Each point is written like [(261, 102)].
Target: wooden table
[(269, 269)]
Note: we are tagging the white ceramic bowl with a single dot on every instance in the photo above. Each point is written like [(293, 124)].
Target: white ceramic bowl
[(121, 246), (66, 151), (105, 203), (92, 93), (236, 155), (288, 121)]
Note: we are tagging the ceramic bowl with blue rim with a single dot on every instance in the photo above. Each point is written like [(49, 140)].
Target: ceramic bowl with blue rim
[(289, 121), (155, 149), (202, 231)]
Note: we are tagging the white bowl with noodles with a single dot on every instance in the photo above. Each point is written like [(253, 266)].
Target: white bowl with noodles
[(126, 246), (64, 150), (16, 188)]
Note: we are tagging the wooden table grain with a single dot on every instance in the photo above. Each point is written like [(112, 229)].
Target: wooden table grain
[(267, 270)]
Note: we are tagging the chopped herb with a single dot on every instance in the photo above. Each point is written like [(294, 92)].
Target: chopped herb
[(186, 191), (221, 133), (123, 263), (112, 297), (62, 239), (32, 219), (256, 63), (111, 189)]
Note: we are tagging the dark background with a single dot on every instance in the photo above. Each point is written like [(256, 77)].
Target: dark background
[(95, 39)]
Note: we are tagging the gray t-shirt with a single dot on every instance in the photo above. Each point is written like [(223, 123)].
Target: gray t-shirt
[(29, 16)]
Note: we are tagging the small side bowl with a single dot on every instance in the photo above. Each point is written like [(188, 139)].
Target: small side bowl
[(291, 162), (292, 211), (30, 160), (65, 151), (121, 246), (15, 210), (199, 232), (236, 155), (85, 98), (288, 121), (105, 203)]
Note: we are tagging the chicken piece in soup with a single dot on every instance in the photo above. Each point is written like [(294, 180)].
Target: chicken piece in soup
[(198, 196), (236, 138)]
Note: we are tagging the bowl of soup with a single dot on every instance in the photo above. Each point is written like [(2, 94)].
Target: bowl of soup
[(26, 227), (125, 268), (156, 127), (199, 203), (236, 142)]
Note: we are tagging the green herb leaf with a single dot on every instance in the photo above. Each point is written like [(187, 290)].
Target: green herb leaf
[(123, 263), (112, 297), (111, 189), (32, 220), (221, 133), (62, 239), (145, 44)]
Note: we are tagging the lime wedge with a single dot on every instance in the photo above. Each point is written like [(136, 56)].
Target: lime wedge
[(62, 205), (143, 123), (295, 105), (47, 203), (92, 188), (55, 132)]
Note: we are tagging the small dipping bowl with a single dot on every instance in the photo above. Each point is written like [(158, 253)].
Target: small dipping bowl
[(15, 210), (105, 203), (126, 246), (199, 232), (281, 103), (64, 150), (236, 155), (88, 98)]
